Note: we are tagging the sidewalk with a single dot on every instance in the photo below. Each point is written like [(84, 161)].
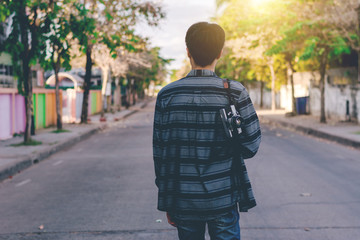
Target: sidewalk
[(15, 159), (345, 133)]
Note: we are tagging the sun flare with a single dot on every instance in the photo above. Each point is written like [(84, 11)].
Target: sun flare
[(259, 2)]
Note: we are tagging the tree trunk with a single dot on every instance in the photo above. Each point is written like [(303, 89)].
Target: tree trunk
[(27, 83), (117, 95), (28, 102), (105, 74), (87, 84), (262, 85), (134, 95), (323, 64), (273, 80), (57, 95), (291, 78), (131, 92)]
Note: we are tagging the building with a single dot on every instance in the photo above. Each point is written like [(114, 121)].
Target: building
[(342, 98)]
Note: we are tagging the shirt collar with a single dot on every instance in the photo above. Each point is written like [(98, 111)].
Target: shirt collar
[(201, 73)]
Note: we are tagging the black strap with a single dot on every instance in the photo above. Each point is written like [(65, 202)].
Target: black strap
[(237, 165), (226, 84)]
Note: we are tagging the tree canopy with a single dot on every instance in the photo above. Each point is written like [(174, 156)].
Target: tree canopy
[(287, 36)]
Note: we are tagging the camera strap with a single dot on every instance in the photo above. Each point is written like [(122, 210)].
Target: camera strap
[(226, 84), (238, 165)]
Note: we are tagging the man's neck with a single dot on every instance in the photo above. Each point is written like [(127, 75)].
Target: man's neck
[(210, 67)]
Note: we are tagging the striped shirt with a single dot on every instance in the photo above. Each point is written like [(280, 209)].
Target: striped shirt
[(199, 171)]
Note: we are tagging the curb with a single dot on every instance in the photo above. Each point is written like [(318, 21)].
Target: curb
[(311, 132), (36, 158), (129, 114)]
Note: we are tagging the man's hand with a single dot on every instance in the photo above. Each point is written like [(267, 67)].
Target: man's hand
[(169, 220)]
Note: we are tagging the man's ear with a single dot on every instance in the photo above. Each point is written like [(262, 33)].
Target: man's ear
[(188, 53), (220, 54)]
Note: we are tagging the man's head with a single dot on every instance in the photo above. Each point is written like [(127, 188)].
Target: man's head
[(205, 42)]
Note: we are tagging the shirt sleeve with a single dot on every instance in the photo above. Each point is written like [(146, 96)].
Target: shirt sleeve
[(249, 140), (157, 139)]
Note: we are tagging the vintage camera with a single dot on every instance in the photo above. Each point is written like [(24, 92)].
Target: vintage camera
[(232, 121)]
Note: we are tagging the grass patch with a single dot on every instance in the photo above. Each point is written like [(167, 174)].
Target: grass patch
[(53, 143), (31, 143), (18, 134), (60, 131), (357, 132)]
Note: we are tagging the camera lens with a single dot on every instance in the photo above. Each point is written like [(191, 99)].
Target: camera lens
[(236, 121)]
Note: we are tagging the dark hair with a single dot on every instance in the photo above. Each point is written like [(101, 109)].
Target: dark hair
[(205, 42)]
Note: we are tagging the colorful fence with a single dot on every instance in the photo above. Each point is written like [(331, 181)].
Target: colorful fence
[(72, 104), (45, 107), (12, 108)]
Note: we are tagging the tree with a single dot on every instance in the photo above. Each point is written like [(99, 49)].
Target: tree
[(252, 48), (23, 46), (292, 29), (144, 67), (104, 59), (231, 67), (4, 14), (55, 50), (251, 30), (322, 41), (312, 36), (180, 73), (236, 65), (288, 46), (82, 27), (345, 15), (110, 23), (119, 67), (157, 71)]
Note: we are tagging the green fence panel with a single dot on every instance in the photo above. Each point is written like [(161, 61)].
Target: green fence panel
[(41, 110), (34, 107), (93, 103)]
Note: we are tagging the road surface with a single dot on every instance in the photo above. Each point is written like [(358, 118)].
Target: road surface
[(103, 188)]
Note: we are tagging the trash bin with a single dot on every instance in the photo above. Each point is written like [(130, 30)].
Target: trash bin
[(301, 105)]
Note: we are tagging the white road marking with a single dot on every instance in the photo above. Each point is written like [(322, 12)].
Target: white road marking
[(58, 163), (23, 182)]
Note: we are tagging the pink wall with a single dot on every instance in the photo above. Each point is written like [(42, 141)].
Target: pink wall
[(5, 116), (20, 118), (12, 113)]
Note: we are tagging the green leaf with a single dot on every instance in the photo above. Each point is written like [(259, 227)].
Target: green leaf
[(108, 16)]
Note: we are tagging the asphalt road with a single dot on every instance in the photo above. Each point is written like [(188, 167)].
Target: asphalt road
[(103, 188)]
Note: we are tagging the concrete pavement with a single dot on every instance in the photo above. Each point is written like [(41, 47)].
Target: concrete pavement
[(345, 133), (14, 159), (103, 188)]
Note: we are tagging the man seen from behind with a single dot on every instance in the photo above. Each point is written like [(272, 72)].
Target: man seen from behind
[(200, 142)]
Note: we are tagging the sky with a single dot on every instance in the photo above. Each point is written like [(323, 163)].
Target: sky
[(170, 34)]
